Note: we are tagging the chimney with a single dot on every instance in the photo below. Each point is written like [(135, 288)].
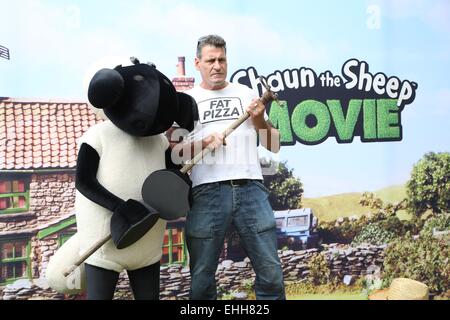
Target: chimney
[(181, 82), (181, 71)]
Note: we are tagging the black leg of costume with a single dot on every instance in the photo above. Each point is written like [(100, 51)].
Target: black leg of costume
[(101, 283), (145, 282)]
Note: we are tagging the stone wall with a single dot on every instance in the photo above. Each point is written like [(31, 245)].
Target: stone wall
[(342, 260), (52, 196), (232, 276), (33, 290), (43, 250)]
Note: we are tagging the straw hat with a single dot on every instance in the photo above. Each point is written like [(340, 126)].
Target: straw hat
[(402, 289)]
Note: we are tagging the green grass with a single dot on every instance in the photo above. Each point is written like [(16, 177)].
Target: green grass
[(330, 296), (331, 207), (308, 291), (391, 194), (329, 291), (347, 204)]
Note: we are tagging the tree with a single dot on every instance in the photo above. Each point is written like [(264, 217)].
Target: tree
[(286, 190), (368, 199), (429, 185)]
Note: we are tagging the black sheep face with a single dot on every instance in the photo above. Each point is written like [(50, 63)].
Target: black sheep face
[(140, 100)]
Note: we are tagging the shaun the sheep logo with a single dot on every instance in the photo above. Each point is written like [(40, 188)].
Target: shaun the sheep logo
[(314, 108)]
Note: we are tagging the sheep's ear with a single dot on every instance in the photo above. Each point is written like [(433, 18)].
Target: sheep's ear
[(187, 111), (134, 60), (105, 88)]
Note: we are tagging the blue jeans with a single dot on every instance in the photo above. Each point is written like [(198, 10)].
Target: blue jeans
[(214, 208)]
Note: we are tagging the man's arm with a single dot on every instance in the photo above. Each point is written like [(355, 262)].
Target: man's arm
[(185, 151), (268, 135)]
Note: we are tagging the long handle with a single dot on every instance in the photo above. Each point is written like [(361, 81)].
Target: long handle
[(199, 156), (87, 254), (267, 97)]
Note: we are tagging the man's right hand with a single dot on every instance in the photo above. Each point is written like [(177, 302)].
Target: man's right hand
[(187, 151), (213, 141)]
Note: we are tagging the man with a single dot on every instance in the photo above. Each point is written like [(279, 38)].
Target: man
[(227, 185)]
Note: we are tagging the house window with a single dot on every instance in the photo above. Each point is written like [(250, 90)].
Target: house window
[(301, 221), (174, 248), (63, 237), (14, 196), (14, 260)]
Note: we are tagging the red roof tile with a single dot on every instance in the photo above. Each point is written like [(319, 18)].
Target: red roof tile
[(183, 83), (42, 134), (33, 137)]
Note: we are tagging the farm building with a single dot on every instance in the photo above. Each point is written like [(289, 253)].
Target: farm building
[(38, 153)]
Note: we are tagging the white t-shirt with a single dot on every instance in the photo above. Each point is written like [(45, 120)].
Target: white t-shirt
[(218, 109), (125, 163)]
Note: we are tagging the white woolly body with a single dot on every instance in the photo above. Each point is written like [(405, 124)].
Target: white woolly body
[(125, 163)]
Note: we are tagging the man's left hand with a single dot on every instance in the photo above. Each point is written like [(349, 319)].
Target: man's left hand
[(256, 111), (268, 135)]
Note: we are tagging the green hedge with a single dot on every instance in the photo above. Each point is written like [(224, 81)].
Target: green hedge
[(374, 233), (425, 259), (440, 223), (347, 230), (319, 270)]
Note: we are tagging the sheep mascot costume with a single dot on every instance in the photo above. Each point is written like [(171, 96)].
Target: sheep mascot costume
[(114, 159)]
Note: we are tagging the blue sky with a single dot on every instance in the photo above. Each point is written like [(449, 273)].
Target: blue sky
[(53, 43)]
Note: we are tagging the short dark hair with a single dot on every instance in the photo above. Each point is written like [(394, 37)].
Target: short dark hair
[(210, 40)]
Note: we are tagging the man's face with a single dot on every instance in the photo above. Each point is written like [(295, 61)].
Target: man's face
[(212, 67)]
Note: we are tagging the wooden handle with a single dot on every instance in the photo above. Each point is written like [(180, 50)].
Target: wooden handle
[(199, 156), (267, 97), (87, 254)]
